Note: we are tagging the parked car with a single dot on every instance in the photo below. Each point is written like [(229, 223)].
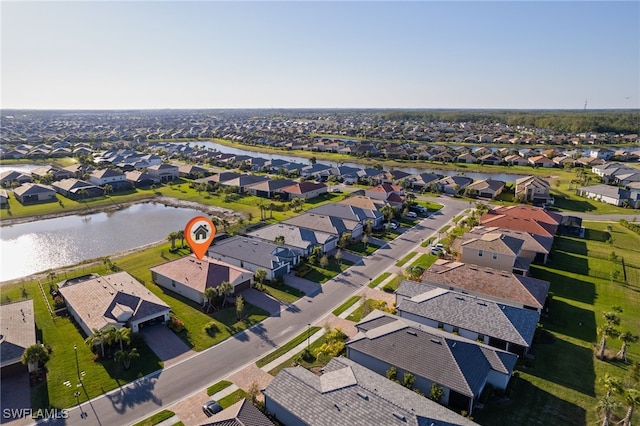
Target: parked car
[(412, 215), (393, 225), (211, 407)]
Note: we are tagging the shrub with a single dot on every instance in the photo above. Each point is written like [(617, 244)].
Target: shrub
[(176, 324)]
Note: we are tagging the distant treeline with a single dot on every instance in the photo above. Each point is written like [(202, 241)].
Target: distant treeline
[(616, 121)]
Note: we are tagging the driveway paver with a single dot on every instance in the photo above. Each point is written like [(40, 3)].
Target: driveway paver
[(164, 342)]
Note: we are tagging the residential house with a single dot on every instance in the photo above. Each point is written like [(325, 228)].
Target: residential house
[(304, 190), (476, 318), (244, 182), (117, 299), (9, 177), (536, 248), (515, 160), (242, 413), (115, 178), (4, 198), (347, 393), (392, 194), (550, 220), (297, 237), (268, 188), (350, 212), (466, 158), (315, 170), (497, 251), (165, 172), (454, 185), (532, 189), (517, 224), (327, 224), (190, 276), (34, 192), (192, 171), (140, 179), (461, 367), (610, 195), (423, 181), (363, 202), (18, 331), (254, 254), (76, 189), (500, 286), (541, 161), (490, 159), (54, 172), (486, 188)]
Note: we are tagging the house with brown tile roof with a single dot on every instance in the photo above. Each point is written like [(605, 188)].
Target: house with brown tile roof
[(363, 202), (501, 286), (305, 190), (17, 332), (517, 224), (525, 212), (392, 194), (541, 161), (116, 299), (536, 248), (190, 276)]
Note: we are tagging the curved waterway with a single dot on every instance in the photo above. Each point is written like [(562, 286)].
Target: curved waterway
[(53, 243)]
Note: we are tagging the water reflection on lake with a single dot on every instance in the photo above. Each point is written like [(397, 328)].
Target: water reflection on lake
[(37, 246)]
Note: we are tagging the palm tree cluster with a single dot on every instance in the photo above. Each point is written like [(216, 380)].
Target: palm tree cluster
[(609, 403), (609, 330), (214, 294), (110, 336)]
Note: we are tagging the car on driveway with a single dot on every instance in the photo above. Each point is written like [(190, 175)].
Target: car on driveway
[(412, 215), (211, 407)]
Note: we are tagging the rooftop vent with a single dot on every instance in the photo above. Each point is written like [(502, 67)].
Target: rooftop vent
[(459, 298), (411, 332), (363, 396), (436, 341), (399, 416)]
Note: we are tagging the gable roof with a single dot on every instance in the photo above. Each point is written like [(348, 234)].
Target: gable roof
[(17, 330), (535, 213), (366, 398), (452, 361), (346, 211), (496, 242), (323, 223), (293, 235), (303, 187), (242, 413), (32, 188), (363, 202), (252, 250), (491, 283), (480, 315), (517, 224), (270, 184), (531, 242)]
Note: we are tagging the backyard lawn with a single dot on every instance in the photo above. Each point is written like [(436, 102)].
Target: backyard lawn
[(562, 385)]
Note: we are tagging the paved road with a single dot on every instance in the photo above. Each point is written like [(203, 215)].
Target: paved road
[(139, 399)]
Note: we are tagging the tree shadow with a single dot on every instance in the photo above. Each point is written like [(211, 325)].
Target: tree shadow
[(134, 394), (571, 321)]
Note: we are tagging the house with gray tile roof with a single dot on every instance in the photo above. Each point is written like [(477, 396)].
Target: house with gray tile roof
[(268, 188), (116, 299), (610, 195), (165, 172), (501, 286), (486, 188), (495, 324), (77, 189), (347, 393), (346, 211), (327, 224), (254, 253), (34, 192), (242, 413), (460, 366), (243, 182), (17, 332), (296, 237)]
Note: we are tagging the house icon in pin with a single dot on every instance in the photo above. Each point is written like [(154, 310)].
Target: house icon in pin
[(201, 233)]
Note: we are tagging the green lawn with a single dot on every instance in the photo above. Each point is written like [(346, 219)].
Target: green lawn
[(232, 398), (283, 292), (428, 241), (360, 249), (425, 260), (406, 258), (287, 346), (217, 387), (321, 275), (306, 362), (379, 279), (156, 418), (346, 305), (562, 384)]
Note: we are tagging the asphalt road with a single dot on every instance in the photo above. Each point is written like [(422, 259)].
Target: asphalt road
[(139, 399)]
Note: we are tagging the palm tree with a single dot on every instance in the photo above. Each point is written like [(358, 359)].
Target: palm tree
[(181, 236), (123, 334), (35, 355), (108, 189), (225, 288), (627, 338), (611, 384), (125, 357), (96, 338), (606, 331), (260, 276), (279, 239), (605, 407), (210, 293), (387, 211), (173, 236), (415, 272), (225, 224), (632, 399)]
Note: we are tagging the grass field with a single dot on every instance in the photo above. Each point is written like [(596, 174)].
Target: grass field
[(562, 384), (383, 276), (346, 305), (407, 257)]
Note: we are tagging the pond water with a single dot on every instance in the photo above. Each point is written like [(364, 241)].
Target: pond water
[(37, 246), (506, 177)]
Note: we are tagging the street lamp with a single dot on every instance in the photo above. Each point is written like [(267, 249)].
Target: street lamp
[(75, 349)]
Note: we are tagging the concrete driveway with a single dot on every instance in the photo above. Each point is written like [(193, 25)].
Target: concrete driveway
[(164, 342), (262, 301)]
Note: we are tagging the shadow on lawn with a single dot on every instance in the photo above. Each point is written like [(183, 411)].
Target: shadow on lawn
[(566, 286), (571, 321), (529, 404)]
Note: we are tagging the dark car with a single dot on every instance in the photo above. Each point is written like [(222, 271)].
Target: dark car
[(211, 407)]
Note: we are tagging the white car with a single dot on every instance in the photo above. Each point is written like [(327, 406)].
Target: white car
[(412, 215)]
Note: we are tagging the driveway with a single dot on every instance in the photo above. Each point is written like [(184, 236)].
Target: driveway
[(164, 342), (262, 301), (308, 287), (15, 394)]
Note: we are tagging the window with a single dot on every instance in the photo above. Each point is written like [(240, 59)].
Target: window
[(495, 256), (173, 283), (479, 253)]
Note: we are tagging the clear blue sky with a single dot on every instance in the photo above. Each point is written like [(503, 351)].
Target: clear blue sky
[(420, 54)]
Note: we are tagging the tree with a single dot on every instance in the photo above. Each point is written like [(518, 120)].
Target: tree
[(387, 211), (632, 399), (313, 161), (408, 380), (125, 357), (365, 241), (436, 393), (392, 373), (181, 236), (324, 261), (95, 339), (210, 294), (107, 189), (338, 257), (225, 288), (260, 276), (123, 334), (239, 307), (279, 240), (627, 338), (605, 407), (606, 331), (415, 272), (173, 236), (35, 355), (611, 384)]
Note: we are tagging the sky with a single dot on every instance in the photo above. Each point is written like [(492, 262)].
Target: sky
[(324, 54)]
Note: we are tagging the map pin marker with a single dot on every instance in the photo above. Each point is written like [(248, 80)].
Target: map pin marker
[(199, 233)]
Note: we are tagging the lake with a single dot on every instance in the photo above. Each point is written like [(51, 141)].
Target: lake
[(53, 243)]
